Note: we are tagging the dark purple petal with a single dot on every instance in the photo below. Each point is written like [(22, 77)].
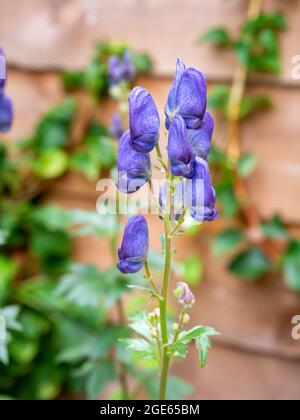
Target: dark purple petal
[(201, 138), (200, 196), (128, 66), (144, 120), (116, 127), (188, 97), (177, 200), (134, 168), (6, 113), (135, 245), (180, 151)]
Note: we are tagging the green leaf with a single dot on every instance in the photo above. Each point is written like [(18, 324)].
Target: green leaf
[(102, 373), (203, 345), (251, 105), (227, 241), (291, 266), (251, 264), (51, 217), (246, 165), (142, 62), (227, 199), (139, 323), (217, 36), (92, 223), (275, 228), (87, 164), (218, 98), (72, 80), (192, 270), (196, 332), (87, 286), (8, 269), (51, 164)]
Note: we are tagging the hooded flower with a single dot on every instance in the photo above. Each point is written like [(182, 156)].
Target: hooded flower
[(143, 120), (116, 127), (180, 151), (135, 245), (184, 295), (134, 168), (177, 203), (200, 195), (200, 139), (187, 96), (120, 70), (6, 109)]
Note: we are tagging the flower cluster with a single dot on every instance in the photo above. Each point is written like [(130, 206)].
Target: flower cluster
[(6, 110), (190, 129)]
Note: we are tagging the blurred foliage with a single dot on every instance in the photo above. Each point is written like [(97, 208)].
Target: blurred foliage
[(256, 247)]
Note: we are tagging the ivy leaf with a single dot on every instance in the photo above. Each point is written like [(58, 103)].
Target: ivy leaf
[(228, 199), (227, 241), (51, 164), (291, 266), (251, 264), (142, 62), (246, 165), (72, 80), (253, 104), (275, 228), (218, 98), (218, 36), (8, 269)]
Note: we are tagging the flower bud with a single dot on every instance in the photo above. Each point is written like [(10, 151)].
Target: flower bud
[(184, 295), (186, 319), (187, 96), (135, 245), (144, 120), (175, 327)]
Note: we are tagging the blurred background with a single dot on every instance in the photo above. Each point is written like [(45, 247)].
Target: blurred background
[(256, 357)]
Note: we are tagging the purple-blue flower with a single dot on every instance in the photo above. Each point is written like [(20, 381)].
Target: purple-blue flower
[(6, 108), (143, 120), (176, 205), (200, 196), (120, 70), (188, 96), (201, 138), (180, 151), (116, 127), (134, 168), (135, 245)]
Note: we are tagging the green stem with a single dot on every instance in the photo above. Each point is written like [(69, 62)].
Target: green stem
[(163, 312)]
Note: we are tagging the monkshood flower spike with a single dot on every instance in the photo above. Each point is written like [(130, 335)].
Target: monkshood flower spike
[(6, 108), (188, 96), (134, 168), (186, 188), (135, 245), (144, 120), (180, 151)]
